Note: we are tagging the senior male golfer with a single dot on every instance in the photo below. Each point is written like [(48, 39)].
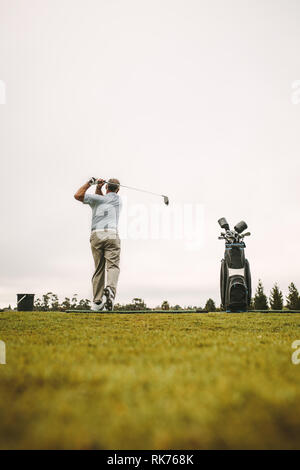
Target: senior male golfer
[(105, 241)]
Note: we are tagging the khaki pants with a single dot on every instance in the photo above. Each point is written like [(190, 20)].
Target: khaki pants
[(106, 249)]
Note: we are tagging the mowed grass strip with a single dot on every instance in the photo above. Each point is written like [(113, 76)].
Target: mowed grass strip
[(191, 381)]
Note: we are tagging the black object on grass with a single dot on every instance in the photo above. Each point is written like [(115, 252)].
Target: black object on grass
[(235, 278), (25, 302)]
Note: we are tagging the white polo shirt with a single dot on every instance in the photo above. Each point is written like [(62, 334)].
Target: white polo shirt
[(105, 210)]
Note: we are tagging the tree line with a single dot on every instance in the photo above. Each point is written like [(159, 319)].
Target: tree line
[(260, 301), (276, 300)]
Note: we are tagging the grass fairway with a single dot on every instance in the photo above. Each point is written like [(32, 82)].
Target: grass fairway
[(149, 381)]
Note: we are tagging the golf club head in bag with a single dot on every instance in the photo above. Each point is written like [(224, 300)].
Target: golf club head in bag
[(223, 223), (235, 277), (240, 227)]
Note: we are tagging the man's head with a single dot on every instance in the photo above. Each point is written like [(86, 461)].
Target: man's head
[(113, 185)]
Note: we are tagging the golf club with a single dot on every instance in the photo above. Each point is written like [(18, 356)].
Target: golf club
[(166, 199)]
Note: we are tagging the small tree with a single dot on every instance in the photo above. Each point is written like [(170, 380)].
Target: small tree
[(177, 307), (84, 304), (260, 299), (293, 299), (165, 305), (38, 304), (46, 301), (210, 306), (54, 302), (74, 302), (276, 298), (138, 304), (118, 306), (66, 304)]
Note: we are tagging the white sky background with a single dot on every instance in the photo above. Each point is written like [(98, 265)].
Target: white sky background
[(189, 98)]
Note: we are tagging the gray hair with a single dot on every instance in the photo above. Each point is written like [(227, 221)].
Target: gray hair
[(113, 185)]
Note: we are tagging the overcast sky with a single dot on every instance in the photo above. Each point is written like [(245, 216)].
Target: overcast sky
[(189, 98)]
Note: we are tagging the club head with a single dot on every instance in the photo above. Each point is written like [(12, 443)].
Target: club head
[(223, 223), (166, 200), (240, 227)]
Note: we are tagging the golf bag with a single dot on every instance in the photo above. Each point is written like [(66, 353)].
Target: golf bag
[(235, 278)]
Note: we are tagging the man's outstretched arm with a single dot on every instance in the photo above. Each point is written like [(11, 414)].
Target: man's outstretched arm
[(79, 195)]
